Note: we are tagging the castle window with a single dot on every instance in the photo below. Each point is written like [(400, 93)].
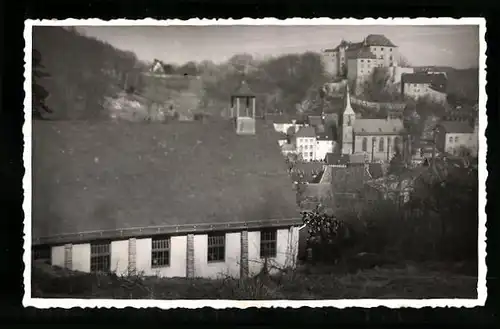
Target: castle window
[(100, 257), (160, 252), (390, 49), (456, 139), (450, 139), (382, 48), (216, 247), (381, 145), (349, 121), (310, 154), (364, 145), (268, 243)]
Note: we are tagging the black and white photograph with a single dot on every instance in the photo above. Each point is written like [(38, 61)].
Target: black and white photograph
[(273, 163)]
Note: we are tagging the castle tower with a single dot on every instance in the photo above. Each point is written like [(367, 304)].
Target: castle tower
[(348, 117)]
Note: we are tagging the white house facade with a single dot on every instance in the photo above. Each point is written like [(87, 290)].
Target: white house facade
[(209, 255), (305, 143), (324, 144)]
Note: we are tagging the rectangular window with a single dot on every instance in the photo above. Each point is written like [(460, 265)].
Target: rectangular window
[(268, 243), (100, 257), (381, 49), (456, 139), (160, 252), (310, 154), (450, 139), (361, 61), (216, 247), (390, 49), (43, 253)]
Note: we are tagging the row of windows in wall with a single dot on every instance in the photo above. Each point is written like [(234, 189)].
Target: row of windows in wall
[(456, 139), (374, 49), (306, 140), (306, 155), (100, 252), (381, 143)]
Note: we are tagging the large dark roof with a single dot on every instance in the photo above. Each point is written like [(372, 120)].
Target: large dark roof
[(437, 81), (337, 159), (457, 127), (378, 40), (306, 132), (349, 180), (109, 176), (370, 40), (362, 54)]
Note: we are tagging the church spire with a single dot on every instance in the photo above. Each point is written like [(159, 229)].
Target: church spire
[(348, 109)]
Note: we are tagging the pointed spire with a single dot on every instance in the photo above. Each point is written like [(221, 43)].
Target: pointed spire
[(347, 107)]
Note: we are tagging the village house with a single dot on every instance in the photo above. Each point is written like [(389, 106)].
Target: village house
[(305, 143), (454, 136), (422, 84), (186, 199)]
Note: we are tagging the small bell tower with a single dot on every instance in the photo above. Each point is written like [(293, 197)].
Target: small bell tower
[(243, 110)]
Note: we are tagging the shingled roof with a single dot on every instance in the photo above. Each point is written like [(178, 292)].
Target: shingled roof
[(437, 81), (306, 132), (108, 177), (457, 127), (378, 40), (378, 126), (362, 54), (349, 180)]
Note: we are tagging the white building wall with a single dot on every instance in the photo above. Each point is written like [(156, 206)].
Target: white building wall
[(305, 146), (178, 253), (81, 257), (385, 154), (455, 141), (286, 246), (287, 240), (229, 267), (322, 148), (57, 256), (330, 62), (119, 257)]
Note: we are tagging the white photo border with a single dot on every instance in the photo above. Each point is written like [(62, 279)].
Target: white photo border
[(43, 303)]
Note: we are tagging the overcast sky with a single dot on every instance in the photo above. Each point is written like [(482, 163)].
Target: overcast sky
[(456, 46)]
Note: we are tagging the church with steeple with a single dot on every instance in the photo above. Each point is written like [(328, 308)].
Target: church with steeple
[(377, 139)]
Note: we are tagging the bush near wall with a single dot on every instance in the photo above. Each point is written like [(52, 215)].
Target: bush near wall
[(439, 224)]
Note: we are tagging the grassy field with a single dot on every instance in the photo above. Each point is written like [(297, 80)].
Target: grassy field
[(306, 282)]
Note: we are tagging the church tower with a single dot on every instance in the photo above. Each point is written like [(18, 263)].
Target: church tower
[(348, 117)]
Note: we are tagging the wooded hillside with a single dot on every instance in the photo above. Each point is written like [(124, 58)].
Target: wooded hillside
[(82, 71)]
